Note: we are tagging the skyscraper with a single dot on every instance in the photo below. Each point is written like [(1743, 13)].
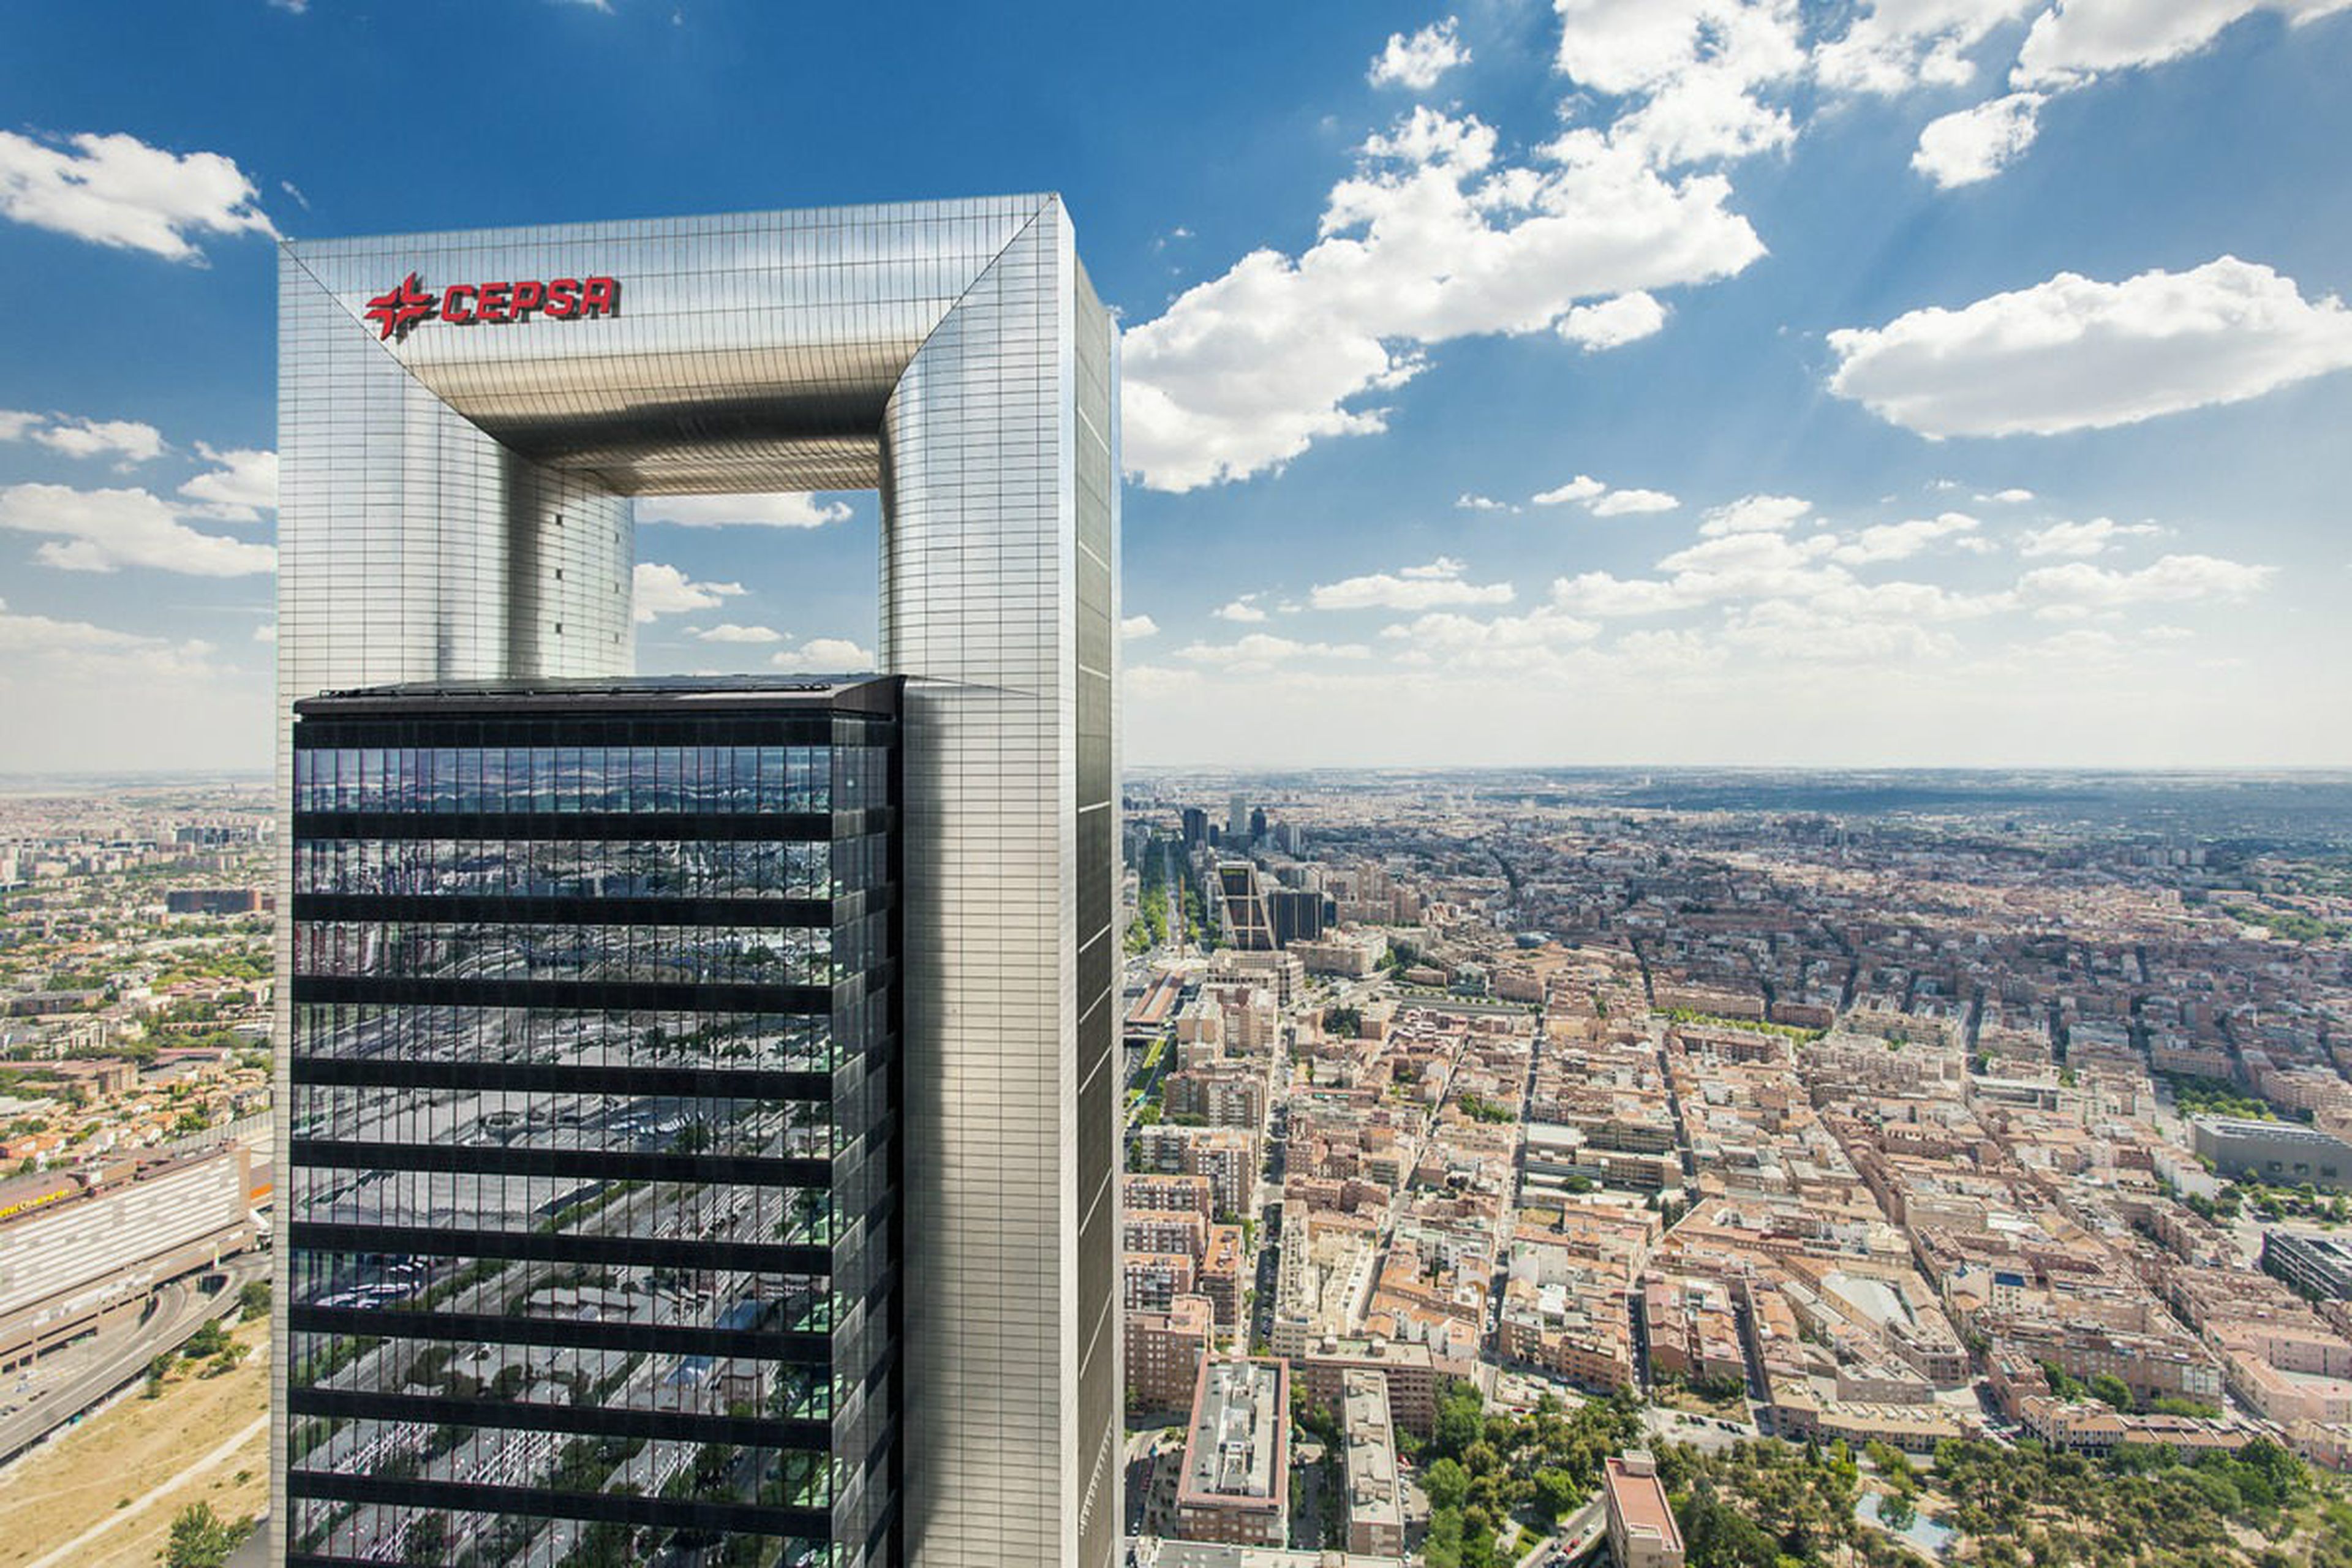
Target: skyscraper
[(465, 419), (594, 1124)]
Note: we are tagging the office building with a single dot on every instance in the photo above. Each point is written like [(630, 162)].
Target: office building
[(1375, 1505), (1296, 915), (2281, 1154), (460, 461), (1247, 924), (593, 1126)]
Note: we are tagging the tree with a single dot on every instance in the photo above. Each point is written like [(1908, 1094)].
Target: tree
[(1558, 1494), (1447, 1483), (428, 1540), (200, 1539), (253, 1300), (2112, 1390)]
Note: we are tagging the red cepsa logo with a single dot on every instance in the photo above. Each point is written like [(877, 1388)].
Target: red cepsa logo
[(397, 310)]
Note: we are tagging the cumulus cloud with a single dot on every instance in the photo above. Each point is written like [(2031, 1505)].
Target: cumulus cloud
[(1467, 501), (785, 510), (2079, 39), (1584, 486), (1901, 541), (667, 591), (2079, 588), (239, 487), (2073, 353), (1417, 62), (1501, 643), (1430, 240), (127, 440), (1754, 514), (729, 632), (1240, 609), (106, 529), (1136, 626), (1613, 323), (1972, 144), (2092, 538), (1894, 46), (1622, 503), (1414, 588), (115, 190), (78, 650), (1261, 651), (2010, 497), (827, 655)]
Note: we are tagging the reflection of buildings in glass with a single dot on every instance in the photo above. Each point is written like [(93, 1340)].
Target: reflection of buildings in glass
[(592, 1123)]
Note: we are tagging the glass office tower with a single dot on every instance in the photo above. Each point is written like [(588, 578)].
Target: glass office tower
[(593, 1251), (465, 422)]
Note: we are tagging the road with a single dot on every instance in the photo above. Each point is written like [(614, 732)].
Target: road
[(117, 1358)]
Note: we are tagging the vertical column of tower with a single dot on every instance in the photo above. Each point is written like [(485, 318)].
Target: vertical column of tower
[(403, 536), (1006, 1047)]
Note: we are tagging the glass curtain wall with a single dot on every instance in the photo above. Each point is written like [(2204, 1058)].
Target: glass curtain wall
[(592, 1254)]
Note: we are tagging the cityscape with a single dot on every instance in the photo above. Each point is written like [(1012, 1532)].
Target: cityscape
[(1549, 783), (1511, 1159)]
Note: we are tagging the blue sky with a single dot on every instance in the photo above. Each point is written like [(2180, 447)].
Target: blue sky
[(1925, 382)]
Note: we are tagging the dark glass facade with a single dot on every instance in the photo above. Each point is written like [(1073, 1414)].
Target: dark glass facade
[(593, 1127)]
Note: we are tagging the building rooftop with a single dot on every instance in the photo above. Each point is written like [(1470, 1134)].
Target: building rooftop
[(1235, 1452), (866, 692), (1639, 1497)]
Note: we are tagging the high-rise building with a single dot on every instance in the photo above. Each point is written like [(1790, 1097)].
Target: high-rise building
[(1196, 827), (464, 421), (1248, 925), (1238, 822), (594, 1123), (1257, 824)]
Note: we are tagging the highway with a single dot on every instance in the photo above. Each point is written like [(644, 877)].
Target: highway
[(70, 1382)]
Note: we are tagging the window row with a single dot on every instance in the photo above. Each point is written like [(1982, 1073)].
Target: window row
[(641, 1296), (507, 1119), (552, 1462), (591, 869), (666, 1383), (558, 1036), (559, 778), (547, 1205), (614, 954), (433, 1538)]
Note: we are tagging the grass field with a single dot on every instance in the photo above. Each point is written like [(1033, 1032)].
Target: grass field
[(140, 1452)]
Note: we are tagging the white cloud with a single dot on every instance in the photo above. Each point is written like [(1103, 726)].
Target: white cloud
[(115, 190), (2079, 539), (1901, 541), (2078, 39), (1754, 514), (1621, 503), (1613, 323), (729, 632), (2073, 354), (1136, 626), (1694, 71), (826, 656), (1465, 502), (1507, 644), (2079, 588), (1894, 46), (104, 530), (241, 485), (1584, 486), (1241, 609), (1417, 62), (14, 425), (266, 632), (1429, 241), (1972, 144), (783, 510), (78, 651), (1262, 651), (2012, 497), (127, 440), (667, 591), (1414, 588)]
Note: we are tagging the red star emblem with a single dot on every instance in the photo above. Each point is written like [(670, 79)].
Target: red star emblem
[(397, 309)]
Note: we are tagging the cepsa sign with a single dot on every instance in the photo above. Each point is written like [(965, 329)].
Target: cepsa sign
[(397, 310)]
